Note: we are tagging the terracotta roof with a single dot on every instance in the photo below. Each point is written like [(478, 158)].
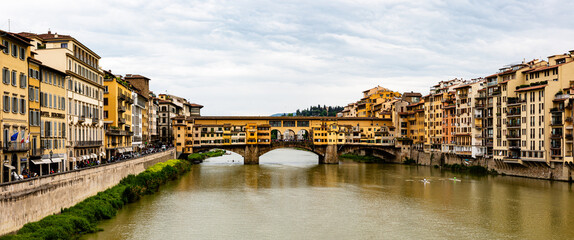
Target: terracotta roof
[(542, 68), (411, 94), (21, 39), (493, 75), (136, 76), (531, 88), (196, 105)]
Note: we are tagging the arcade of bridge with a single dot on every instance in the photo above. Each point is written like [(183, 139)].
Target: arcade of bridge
[(258, 130)]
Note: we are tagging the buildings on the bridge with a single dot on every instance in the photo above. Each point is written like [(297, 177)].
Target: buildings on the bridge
[(171, 106), (197, 132)]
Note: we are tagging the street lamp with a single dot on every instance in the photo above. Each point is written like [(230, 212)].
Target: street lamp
[(50, 168)]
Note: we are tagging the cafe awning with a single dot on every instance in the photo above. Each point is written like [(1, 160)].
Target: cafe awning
[(9, 166), (47, 161), (93, 155), (103, 154), (121, 150)]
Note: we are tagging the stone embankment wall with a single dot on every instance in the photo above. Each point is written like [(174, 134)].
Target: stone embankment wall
[(33, 199), (556, 171)]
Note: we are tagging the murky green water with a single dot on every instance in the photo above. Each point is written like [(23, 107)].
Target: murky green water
[(289, 196)]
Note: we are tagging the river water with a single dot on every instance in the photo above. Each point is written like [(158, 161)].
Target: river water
[(290, 196)]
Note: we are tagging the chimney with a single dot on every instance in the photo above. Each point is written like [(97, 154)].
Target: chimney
[(49, 32)]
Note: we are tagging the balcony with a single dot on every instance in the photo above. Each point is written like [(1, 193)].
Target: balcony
[(121, 109), (95, 121), (121, 97), (513, 124), (81, 119), (514, 101), (556, 135), (556, 122), (88, 144), (14, 147), (556, 110), (129, 100), (121, 120), (116, 132), (36, 152), (513, 136), (515, 113)]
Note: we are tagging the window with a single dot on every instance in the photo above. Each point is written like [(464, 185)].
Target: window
[(14, 50), (14, 105), (6, 103), (22, 53), (64, 45), (23, 80), (31, 93), (6, 76), (14, 78), (22, 106), (7, 45)]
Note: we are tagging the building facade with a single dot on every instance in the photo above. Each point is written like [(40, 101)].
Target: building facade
[(14, 114)]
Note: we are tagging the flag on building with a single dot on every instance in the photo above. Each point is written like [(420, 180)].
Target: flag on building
[(28, 139), (14, 137)]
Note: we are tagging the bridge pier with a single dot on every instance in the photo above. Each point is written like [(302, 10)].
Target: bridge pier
[(251, 155), (331, 155)]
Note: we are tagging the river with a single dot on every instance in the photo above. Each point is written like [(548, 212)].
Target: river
[(290, 196)]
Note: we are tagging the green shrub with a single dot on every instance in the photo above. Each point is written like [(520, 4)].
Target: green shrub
[(409, 161), (359, 158)]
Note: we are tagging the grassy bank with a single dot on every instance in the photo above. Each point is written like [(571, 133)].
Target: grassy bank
[(84, 216), (199, 157), (476, 170), (364, 159)]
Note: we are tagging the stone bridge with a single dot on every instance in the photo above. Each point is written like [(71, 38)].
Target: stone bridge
[(328, 153)]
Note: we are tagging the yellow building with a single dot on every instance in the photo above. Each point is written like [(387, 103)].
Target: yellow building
[(117, 116), (371, 103), (34, 122), (53, 94), (14, 114)]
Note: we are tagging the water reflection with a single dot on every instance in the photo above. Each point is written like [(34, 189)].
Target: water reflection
[(290, 196)]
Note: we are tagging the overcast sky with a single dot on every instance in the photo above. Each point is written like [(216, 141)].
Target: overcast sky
[(241, 57)]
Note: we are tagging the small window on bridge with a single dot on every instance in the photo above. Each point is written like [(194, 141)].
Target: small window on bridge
[(275, 123), (288, 123), (302, 123)]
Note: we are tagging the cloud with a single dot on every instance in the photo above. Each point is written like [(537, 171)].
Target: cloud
[(262, 57)]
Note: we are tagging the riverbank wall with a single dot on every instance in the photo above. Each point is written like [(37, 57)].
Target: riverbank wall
[(32, 199), (554, 171)]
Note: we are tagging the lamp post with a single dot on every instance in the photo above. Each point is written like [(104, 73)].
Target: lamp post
[(50, 168)]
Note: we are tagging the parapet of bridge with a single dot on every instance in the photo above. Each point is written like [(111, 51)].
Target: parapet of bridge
[(252, 137)]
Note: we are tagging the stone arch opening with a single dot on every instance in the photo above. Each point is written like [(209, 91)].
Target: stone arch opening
[(289, 135), (303, 135), (276, 135)]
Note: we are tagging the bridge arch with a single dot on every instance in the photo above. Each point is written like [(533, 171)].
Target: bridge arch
[(303, 135), (381, 152), (289, 135), (276, 135)]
